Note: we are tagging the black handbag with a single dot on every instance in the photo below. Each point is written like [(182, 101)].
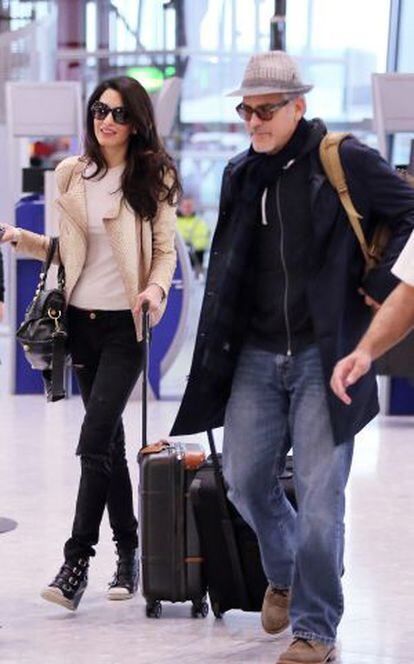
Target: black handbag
[(43, 332)]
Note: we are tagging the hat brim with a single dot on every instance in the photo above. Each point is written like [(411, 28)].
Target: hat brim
[(268, 90)]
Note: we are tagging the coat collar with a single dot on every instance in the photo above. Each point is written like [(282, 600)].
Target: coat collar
[(73, 201)]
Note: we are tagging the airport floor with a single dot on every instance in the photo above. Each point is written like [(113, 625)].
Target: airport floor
[(38, 486), (38, 483)]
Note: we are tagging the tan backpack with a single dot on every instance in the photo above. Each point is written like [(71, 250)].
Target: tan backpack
[(399, 361), (331, 162)]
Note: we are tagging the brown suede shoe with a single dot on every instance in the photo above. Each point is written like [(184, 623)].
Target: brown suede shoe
[(275, 610), (302, 651)]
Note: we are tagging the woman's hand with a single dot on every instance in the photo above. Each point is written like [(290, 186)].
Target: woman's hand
[(7, 233), (154, 295)]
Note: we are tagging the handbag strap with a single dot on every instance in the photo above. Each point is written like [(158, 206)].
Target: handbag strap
[(61, 277), (58, 391), (53, 245)]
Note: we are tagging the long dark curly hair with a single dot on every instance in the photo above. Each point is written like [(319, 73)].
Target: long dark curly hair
[(150, 176)]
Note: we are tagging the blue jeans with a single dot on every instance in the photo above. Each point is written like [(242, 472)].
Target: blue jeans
[(278, 402)]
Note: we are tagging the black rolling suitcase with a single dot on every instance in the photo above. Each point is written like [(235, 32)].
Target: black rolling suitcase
[(233, 567), (171, 563)]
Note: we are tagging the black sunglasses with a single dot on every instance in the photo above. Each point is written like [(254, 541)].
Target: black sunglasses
[(99, 110), (264, 112)]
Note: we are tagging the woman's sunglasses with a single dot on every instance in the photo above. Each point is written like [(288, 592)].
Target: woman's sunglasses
[(99, 110), (264, 112)]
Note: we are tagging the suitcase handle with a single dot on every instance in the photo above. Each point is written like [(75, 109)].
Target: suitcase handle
[(227, 525), (146, 343), (218, 476)]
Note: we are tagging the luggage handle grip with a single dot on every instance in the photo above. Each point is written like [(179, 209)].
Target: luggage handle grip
[(145, 361)]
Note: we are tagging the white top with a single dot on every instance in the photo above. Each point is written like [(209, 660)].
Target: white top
[(100, 285), (404, 266)]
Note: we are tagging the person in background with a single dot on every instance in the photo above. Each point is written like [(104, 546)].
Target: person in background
[(195, 233), (1, 286), (281, 306), (116, 241), (394, 319)]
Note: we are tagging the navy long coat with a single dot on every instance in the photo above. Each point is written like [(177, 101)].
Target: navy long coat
[(336, 271)]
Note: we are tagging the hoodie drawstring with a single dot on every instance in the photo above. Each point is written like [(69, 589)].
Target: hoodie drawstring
[(263, 204)]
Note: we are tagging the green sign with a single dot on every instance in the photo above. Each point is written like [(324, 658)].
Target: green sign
[(152, 78)]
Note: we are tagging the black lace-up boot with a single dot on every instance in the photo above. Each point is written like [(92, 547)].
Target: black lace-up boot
[(125, 581), (69, 585)]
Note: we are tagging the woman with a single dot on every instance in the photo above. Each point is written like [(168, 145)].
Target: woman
[(116, 242)]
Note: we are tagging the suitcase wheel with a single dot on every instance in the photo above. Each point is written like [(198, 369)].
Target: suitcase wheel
[(153, 609), (199, 609), (216, 610)]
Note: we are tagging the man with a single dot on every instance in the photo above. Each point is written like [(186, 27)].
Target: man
[(392, 322), (195, 233), (282, 304)]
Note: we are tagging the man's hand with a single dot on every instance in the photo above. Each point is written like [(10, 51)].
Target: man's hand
[(368, 300), (1, 311), (154, 295), (347, 371)]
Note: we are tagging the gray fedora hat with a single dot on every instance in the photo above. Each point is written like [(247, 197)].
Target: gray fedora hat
[(269, 73)]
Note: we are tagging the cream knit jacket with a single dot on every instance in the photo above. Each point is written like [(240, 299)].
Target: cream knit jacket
[(143, 250)]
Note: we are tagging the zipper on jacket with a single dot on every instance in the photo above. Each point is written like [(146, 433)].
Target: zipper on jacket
[(283, 259)]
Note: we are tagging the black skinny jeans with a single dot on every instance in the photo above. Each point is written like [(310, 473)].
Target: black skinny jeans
[(107, 359)]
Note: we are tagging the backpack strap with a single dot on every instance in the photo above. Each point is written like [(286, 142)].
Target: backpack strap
[(331, 162)]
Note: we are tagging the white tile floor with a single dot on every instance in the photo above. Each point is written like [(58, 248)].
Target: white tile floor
[(38, 486)]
